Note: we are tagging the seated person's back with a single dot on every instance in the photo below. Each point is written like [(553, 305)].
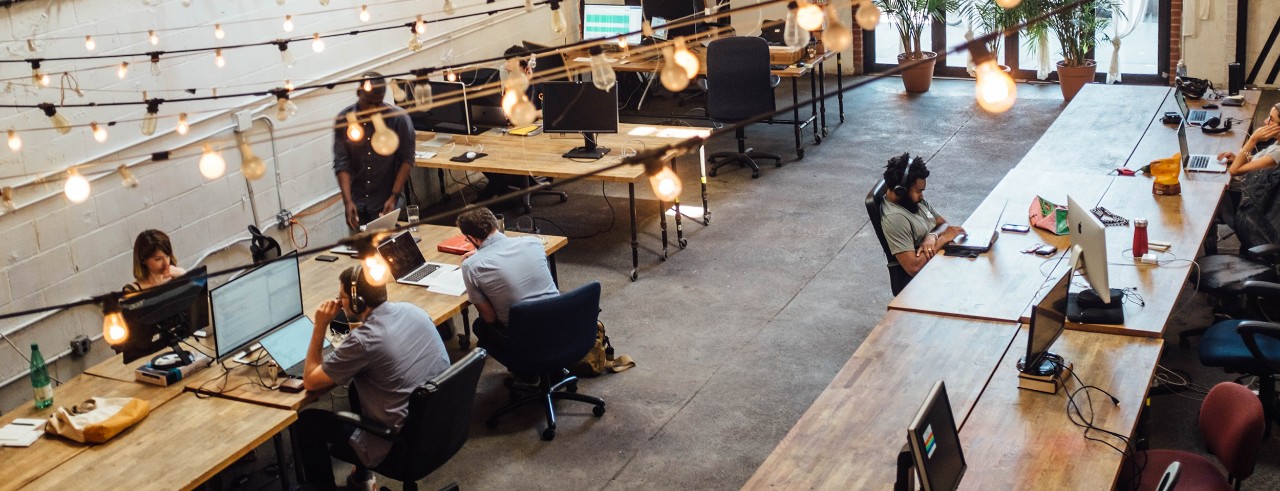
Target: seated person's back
[(503, 270)]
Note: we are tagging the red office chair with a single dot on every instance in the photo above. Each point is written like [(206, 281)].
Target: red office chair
[(1231, 423)]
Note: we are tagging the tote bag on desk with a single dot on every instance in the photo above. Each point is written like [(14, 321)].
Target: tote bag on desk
[(98, 419), (1045, 214)]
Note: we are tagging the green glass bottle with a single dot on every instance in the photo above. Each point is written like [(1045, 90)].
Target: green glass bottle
[(40, 382)]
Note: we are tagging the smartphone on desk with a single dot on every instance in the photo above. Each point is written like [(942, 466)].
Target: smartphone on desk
[(1015, 228)]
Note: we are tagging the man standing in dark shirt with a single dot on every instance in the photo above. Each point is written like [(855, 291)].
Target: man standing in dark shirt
[(371, 183)]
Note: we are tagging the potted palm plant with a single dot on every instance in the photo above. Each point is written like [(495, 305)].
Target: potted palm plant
[(911, 18), (1077, 30), (988, 17)]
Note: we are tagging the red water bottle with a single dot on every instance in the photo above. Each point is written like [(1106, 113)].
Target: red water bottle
[(1139, 238)]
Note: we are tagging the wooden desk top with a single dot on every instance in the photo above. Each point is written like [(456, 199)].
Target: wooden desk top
[(541, 155), (1098, 130), (115, 368), (1162, 140), (1017, 439), (850, 437), (24, 465), (1002, 283), (178, 446)]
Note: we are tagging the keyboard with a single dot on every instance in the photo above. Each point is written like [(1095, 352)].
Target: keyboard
[(778, 67), (1198, 114), (422, 272), (1198, 162)]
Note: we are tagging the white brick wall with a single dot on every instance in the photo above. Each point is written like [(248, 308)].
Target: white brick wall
[(54, 251)]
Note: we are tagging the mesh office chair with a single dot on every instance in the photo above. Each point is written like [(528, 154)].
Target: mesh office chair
[(551, 334), (898, 277), (438, 423), (1223, 276), (739, 87)]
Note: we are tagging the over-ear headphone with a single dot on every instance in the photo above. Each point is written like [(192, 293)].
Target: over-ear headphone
[(357, 301), (1210, 127), (901, 187)]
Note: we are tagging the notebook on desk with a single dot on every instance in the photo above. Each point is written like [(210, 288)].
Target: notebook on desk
[(972, 243)]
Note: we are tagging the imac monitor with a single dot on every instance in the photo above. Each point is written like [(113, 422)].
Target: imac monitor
[(1047, 323), (935, 443), (1100, 304), (485, 108), (254, 303), (573, 107), (163, 316), (448, 111), (611, 21)]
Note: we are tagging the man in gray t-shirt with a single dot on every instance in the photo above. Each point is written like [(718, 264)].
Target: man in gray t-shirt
[(912, 228), (392, 349)]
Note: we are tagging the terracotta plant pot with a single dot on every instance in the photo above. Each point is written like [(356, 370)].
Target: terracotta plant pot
[(1072, 78), (918, 78)]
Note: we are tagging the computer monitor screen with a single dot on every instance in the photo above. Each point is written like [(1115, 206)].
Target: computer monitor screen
[(1047, 323), (254, 303), (447, 112), (1089, 248), (607, 21), (659, 30), (935, 443), (484, 96), (573, 107), (677, 10), (164, 315)]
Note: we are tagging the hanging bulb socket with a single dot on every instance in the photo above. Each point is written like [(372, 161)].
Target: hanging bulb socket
[(148, 124), (126, 177), (286, 56), (59, 121), (114, 329)]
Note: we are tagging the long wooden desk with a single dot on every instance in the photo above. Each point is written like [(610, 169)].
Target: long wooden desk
[(541, 155), (850, 437), (1098, 130)]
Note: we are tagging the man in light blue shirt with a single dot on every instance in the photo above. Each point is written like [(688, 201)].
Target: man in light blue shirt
[(501, 272)]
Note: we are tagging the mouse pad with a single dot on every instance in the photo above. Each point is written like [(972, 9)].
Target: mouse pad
[(463, 158)]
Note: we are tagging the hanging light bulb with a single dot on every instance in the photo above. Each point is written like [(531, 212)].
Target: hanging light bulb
[(285, 108), (809, 16), (673, 77), (212, 166), (450, 76), (288, 23), (367, 86), (89, 43), (153, 38), (114, 330), (286, 56), (448, 7), (183, 127), (385, 142), (557, 17), (602, 74), (15, 142), (793, 35), (317, 44), (622, 44), (218, 32), (375, 268), (123, 71), (148, 125), (419, 27), (364, 13), (685, 58), (6, 195), (509, 100), (77, 188), (837, 36), (155, 65), (59, 121), (996, 90), (415, 44), (280, 2), (218, 59), (99, 132), (251, 166), (528, 5), (524, 112), (38, 76), (1008, 4), (868, 15), (355, 132), (422, 94), (666, 184), (324, 3), (186, 3), (288, 85), (126, 177)]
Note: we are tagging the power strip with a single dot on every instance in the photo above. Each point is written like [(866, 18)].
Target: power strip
[(283, 219)]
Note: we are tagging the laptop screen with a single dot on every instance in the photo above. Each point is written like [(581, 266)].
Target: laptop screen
[(1182, 142), (1182, 102), (402, 253), (288, 345)]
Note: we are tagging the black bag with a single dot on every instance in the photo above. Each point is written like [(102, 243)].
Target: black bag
[(1193, 88)]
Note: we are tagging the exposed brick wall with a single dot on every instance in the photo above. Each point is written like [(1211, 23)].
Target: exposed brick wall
[(1175, 37), (857, 58)]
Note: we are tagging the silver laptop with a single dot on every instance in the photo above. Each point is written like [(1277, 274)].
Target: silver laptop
[(383, 222), (1193, 117), (288, 345), (972, 243), (1201, 162), (409, 267)]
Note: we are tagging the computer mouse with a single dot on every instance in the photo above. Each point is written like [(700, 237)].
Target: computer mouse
[(471, 155), (1210, 106)]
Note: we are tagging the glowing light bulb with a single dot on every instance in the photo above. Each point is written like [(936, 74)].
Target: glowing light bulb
[(509, 100), (15, 141), (385, 142), (153, 38), (837, 36), (285, 109), (364, 13), (666, 184), (868, 16), (1008, 4), (89, 43), (448, 7), (38, 76), (288, 23), (367, 86), (317, 44), (602, 74), (995, 88), (155, 65), (6, 195), (419, 27), (673, 76), (793, 35), (59, 121), (183, 127), (212, 166), (218, 59), (528, 5), (286, 56), (218, 32), (376, 270), (415, 44), (450, 76), (355, 133), (251, 165), (123, 71), (288, 85), (77, 188), (809, 16), (557, 18), (685, 58), (99, 132), (114, 330), (148, 124)]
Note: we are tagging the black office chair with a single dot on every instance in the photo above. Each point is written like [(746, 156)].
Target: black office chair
[(438, 424), (262, 247), (1249, 346), (898, 277), (739, 87), (1223, 276), (551, 334)]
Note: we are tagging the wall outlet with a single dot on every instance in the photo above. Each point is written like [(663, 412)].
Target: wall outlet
[(283, 218), (80, 345), (243, 120)]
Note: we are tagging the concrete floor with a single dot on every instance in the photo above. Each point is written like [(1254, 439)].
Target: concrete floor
[(736, 335)]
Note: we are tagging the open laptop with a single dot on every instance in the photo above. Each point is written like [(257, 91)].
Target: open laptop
[(288, 345), (1193, 117), (383, 222), (410, 268), (1200, 162), (974, 242)]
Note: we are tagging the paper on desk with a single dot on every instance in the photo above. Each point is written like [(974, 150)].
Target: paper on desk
[(22, 432), (449, 283)]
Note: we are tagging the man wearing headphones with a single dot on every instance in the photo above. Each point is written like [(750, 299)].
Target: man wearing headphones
[(371, 183), (392, 349), (912, 228)]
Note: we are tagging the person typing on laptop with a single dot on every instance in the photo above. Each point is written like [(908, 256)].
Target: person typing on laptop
[(1246, 161), (914, 231), (371, 183), (392, 349)]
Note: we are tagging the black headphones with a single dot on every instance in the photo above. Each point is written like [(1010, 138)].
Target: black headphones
[(901, 187), (1210, 127), (357, 301)]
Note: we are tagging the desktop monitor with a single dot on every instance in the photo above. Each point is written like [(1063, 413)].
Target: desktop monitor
[(935, 443), (678, 10), (447, 112), (611, 21), (1047, 323), (574, 107), (163, 316), (254, 303), (485, 109), (1100, 304)]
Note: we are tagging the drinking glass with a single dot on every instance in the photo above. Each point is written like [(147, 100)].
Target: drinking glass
[(412, 213)]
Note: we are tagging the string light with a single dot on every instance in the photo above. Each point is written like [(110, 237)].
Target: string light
[(15, 141), (415, 44), (354, 132), (602, 74), (38, 76), (99, 132), (77, 187), (212, 166), (528, 5), (288, 85), (996, 90), (251, 165), (153, 38), (114, 329), (672, 75), (373, 266), (126, 177), (286, 56), (148, 125), (793, 35), (285, 108), (364, 13), (155, 65), (686, 59), (384, 142), (809, 16), (449, 8), (218, 33), (288, 23), (182, 127), (1008, 4), (6, 195), (868, 15), (317, 44), (450, 76), (557, 17), (89, 44), (123, 71), (218, 59), (367, 86), (837, 36), (666, 184), (59, 121), (419, 27)]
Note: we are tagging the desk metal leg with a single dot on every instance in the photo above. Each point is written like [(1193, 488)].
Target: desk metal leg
[(795, 114), (283, 461), (822, 97), (464, 339), (293, 446), (635, 236), (702, 169), (813, 104), (662, 217), (840, 84), (444, 195)]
